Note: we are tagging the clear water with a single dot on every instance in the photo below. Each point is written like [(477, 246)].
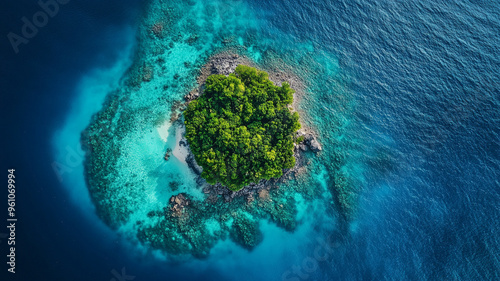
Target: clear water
[(405, 94)]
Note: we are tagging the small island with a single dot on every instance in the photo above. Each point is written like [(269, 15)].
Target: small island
[(232, 154), (242, 130)]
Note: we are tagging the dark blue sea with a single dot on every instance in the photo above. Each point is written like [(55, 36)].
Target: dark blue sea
[(414, 85)]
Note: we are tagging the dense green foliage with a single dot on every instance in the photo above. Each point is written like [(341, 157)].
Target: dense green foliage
[(241, 129)]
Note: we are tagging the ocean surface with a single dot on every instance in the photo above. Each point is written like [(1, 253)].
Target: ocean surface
[(406, 92)]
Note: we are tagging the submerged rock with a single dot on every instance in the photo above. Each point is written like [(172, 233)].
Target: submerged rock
[(246, 232), (314, 145), (178, 203), (167, 154), (192, 164), (192, 95), (309, 141)]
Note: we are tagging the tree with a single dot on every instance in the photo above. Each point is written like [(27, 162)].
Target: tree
[(241, 130)]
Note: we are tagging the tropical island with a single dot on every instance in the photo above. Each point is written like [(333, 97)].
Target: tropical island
[(166, 117), (236, 154), (242, 130)]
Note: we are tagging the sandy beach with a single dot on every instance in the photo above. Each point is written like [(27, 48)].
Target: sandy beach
[(179, 151)]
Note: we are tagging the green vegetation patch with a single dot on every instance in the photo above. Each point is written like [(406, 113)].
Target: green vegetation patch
[(241, 129)]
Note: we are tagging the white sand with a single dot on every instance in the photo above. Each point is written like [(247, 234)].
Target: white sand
[(163, 130), (180, 152)]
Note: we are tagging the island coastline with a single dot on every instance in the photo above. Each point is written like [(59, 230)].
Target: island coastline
[(225, 63)]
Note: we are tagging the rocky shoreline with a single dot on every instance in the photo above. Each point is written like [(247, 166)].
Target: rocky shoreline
[(225, 63)]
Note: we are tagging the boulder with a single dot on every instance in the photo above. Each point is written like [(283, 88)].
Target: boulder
[(193, 165), (308, 137), (309, 141), (314, 145), (192, 95), (178, 203)]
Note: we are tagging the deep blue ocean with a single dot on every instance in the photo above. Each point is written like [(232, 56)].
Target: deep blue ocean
[(424, 78)]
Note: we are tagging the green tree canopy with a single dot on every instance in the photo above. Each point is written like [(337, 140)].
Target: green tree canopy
[(241, 130)]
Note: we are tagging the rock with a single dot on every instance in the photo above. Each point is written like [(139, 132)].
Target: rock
[(250, 198), (264, 194), (147, 73), (192, 39), (174, 185), (308, 137), (309, 141), (178, 202), (173, 117), (158, 29), (222, 65), (314, 145), (167, 154), (246, 232), (192, 95), (200, 181), (193, 165)]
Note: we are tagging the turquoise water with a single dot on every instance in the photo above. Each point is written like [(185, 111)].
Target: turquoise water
[(392, 180)]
